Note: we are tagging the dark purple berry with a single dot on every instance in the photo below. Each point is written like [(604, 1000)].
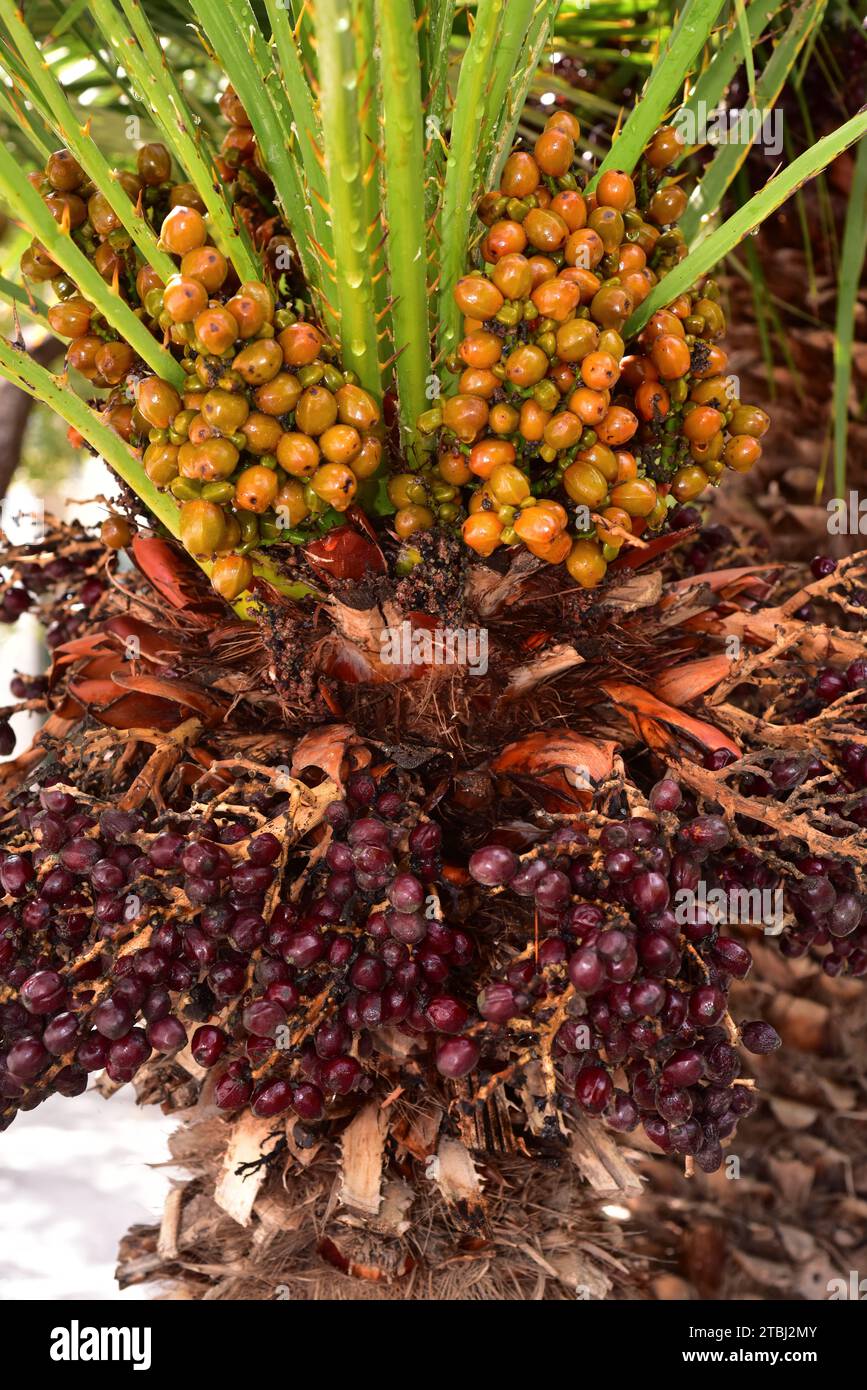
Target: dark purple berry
[(586, 971), (447, 1014), (113, 1018), (457, 1057), (497, 1003), (821, 566), (665, 795), (167, 1034), (308, 1101), (26, 1058), (406, 893), (208, 1045), (593, 1089), (61, 1033), (493, 866), (263, 1017), (760, 1037), (43, 992)]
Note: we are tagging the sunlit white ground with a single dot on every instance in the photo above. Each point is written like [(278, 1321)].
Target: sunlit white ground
[(74, 1176)]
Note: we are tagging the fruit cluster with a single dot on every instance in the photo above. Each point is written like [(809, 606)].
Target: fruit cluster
[(95, 351), (562, 436), (85, 213), (267, 434), (647, 1037), (121, 940), (248, 186)]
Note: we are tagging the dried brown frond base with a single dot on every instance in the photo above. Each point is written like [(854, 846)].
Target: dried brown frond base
[(370, 1219)]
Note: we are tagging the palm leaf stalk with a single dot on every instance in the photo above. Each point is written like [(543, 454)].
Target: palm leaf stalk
[(852, 256), (724, 238), (515, 67), (346, 162), (439, 22), (25, 302), (724, 166), (745, 36), (23, 120), (456, 207), (711, 85), (233, 33), (69, 18), (305, 114), (141, 54), (516, 24), (403, 150), (687, 39), (371, 102)]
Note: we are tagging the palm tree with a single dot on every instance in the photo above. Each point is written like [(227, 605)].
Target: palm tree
[(304, 836)]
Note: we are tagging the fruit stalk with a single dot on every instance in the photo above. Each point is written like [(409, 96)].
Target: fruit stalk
[(139, 51)]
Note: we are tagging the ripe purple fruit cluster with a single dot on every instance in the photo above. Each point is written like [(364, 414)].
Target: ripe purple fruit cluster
[(645, 1036), (62, 589), (824, 896), (289, 974), (224, 961)]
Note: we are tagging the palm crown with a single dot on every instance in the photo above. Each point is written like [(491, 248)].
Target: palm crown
[(369, 293)]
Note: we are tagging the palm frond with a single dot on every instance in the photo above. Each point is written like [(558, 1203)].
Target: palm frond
[(852, 258)]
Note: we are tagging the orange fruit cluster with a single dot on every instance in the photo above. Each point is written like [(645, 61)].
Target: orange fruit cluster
[(268, 432), (564, 434)]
